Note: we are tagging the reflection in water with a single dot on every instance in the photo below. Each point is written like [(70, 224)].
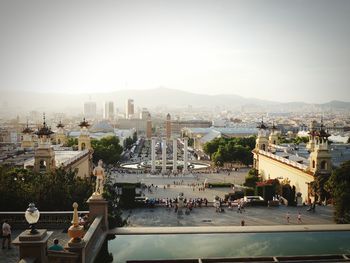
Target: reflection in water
[(137, 247)]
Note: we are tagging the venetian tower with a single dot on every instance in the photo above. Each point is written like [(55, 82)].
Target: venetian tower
[(44, 155), (168, 127), (312, 134), (27, 138), (149, 127), (262, 140), (84, 141), (320, 157), (60, 135), (273, 138)]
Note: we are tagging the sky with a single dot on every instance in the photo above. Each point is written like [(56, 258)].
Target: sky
[(276, 50)]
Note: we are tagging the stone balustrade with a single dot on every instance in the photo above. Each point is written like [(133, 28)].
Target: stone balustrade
[(285, 160)]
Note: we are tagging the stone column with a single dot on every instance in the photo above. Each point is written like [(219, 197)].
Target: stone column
[(174, 155), (184, 171), (153, 155), (33, 245), (98, 207), (163, 155)]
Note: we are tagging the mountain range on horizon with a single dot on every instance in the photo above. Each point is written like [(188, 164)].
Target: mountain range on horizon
[(151, 98)]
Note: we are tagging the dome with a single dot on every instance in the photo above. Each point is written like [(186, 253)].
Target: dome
[(102, 126)]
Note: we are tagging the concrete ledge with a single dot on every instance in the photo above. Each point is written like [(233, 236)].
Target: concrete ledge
[(226, 229)]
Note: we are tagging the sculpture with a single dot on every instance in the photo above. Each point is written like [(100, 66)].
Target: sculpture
[(99, 172)]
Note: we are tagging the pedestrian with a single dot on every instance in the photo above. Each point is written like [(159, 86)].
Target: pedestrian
[(6, 235), (288, 217), (299, 218)]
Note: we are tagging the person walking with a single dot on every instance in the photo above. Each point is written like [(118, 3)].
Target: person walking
[(6, 235), (299, 218), (288, 217)]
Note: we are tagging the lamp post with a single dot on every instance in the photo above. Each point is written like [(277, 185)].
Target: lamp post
[(32, 216)]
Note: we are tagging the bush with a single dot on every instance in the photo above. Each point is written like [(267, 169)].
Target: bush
[(249, 191), (220, 185)]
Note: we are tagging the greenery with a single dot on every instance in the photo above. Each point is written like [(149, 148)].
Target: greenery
[(114, 212), (190, 142), (297, 140), (56, 191), (72, 142), (339, 187), (220, 185), (252, 178), (128, 142), (227, 150), (107, 149)]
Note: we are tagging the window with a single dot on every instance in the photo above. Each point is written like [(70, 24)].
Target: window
[(313, 164), (263, 147), (323, 165), (83, 146), (42, 165)]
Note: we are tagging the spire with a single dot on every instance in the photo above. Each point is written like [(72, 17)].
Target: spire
[(262, 125), (84, 124), (60, 125), (44, 130), (27, 130)]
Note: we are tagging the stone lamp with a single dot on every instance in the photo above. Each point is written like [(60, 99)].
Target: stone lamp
[(75, 232), (32, 216)]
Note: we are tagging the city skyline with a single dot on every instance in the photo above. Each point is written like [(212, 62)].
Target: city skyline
[(270, 50)]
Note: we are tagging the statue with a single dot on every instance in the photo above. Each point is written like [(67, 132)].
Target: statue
[(99, 172)]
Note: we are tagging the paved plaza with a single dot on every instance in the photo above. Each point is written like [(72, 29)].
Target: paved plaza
[(164, 187)]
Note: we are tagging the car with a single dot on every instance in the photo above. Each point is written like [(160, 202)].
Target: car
[(254, 200)]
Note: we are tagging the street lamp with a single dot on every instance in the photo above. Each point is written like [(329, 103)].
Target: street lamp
[(32, 216)]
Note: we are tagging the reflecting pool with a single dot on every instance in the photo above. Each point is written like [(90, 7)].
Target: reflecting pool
[(136, 247)]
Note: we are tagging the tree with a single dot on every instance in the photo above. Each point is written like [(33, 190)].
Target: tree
[(107, 149), (128, 143), (53, 191), (134, 137), (252, 178), (71, 142), (339, 186)]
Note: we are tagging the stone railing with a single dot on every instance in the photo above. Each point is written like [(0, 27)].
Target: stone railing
[(75, 158), (285, 160), (93, 239), (48, 219)]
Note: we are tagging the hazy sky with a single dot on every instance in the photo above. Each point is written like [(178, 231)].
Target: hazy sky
[(277, 50)]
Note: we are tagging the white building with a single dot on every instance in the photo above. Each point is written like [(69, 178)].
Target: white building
[(108, 110), (90, 109)]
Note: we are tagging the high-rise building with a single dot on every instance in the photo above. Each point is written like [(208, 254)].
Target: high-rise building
[(144, 114), (149, 127), (108, 110), (90, 109), (129, 111)]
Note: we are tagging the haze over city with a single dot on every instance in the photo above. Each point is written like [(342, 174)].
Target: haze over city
[(272, 50)]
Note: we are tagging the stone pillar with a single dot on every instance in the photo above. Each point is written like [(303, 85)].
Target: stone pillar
[(33, 245), (184, 171), (153, 155), (98, 207), (163, 155), (174, 155)]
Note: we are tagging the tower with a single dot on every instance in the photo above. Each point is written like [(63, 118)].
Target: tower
[(60, 135), (44, 155), (273, 138), (149, 127), (320, 157), (262, 140), (129, 111), (84, 141), (27, 138), (312, 136), (168, 126)]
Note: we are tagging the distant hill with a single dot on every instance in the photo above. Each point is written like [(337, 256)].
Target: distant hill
[(15, 101)]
